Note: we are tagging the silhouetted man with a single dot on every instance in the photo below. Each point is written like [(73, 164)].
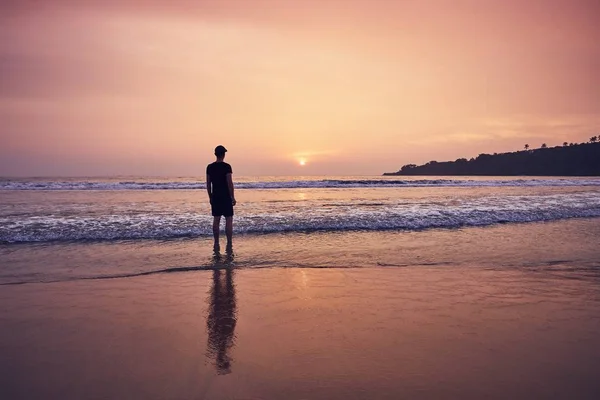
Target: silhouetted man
[(219, 185)]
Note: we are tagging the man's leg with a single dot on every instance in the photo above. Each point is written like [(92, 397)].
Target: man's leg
[(229, 230), (216, 227)]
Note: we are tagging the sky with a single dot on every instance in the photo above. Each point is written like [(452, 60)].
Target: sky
[(348, 87)]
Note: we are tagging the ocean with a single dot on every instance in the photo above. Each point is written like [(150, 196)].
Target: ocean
[(336, 288), (41, 218)]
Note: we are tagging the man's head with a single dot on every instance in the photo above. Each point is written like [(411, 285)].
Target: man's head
[(220, 151)]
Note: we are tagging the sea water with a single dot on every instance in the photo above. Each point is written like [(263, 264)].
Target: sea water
[(71, 228)]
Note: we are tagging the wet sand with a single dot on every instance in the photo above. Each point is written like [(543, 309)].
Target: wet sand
[(466, 332)]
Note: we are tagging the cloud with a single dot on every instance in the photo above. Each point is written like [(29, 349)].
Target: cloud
[(371, 79)]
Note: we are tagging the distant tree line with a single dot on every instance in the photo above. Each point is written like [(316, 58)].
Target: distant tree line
[(570, 159)]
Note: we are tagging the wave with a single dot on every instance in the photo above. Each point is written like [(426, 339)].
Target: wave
[(565, 269), (220, 262), (295, 184), (115, 276), (188, 225)]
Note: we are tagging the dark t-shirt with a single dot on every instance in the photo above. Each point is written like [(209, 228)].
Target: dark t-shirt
[(218, 176)]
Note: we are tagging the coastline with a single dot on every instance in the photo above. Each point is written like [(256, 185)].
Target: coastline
[(581, 159), (569, 242)]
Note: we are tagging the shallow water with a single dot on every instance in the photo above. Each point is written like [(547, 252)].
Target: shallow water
[(110, 210), (54, 230), (559, 245)]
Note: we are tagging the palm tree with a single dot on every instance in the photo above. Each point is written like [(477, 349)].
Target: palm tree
[(544, 146), (565, 144), (526, 147)]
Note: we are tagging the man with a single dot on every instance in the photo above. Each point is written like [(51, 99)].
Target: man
[(219, 185)]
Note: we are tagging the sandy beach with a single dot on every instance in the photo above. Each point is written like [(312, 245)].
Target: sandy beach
[(465, 331)]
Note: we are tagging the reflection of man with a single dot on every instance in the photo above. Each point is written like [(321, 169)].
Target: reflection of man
[(221, 320), (219, 185)]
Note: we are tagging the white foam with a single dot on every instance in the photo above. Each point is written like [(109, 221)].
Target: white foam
[(300, 184), (324, 216)]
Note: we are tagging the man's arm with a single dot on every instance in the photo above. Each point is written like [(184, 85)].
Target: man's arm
[(208, 187), (230, 186)]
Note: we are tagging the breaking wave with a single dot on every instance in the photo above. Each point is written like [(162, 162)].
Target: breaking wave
[(293, 184), (352, 217)]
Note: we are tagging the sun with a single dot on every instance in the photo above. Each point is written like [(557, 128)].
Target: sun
[(302, 162)]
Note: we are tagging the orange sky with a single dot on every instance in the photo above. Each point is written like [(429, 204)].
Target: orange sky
[(150, 87)]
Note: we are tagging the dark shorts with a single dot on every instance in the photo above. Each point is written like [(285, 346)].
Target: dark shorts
[(221, 207)]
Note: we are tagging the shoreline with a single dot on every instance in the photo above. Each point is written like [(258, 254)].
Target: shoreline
[(502, 245)]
